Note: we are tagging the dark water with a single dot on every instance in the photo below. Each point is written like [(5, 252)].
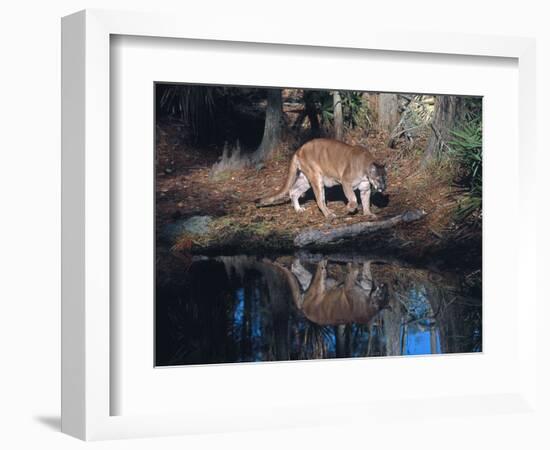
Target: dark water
[(247, 308)]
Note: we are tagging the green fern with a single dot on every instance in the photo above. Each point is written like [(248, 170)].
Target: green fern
[(466, 149)]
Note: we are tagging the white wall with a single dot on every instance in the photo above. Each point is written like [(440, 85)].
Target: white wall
[(30, 186)]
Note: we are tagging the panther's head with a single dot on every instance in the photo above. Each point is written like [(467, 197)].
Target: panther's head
[(380, 297), (377, 176)]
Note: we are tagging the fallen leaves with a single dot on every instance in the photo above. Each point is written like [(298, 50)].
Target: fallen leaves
[(190, 190)]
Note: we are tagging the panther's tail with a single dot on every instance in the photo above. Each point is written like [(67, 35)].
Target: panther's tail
[(283, 192)]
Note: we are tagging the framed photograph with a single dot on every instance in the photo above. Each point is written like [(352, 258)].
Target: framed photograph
[(250, 268), (252, 218)]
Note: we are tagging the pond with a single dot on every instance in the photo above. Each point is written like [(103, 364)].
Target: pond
[(243, 308)]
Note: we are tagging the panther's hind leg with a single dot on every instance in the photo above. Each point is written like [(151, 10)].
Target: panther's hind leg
[(300, 186), (319, 191)]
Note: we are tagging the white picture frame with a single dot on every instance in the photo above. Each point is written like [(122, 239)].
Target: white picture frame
[(86, 219)]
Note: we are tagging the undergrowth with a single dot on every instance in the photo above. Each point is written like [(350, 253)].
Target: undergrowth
[(465, 149)]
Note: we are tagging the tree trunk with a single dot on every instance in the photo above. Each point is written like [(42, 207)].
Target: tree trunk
[(449, 112), (320, 237), (340, 335), (273, 126), (372, 102), (338, 116), (311, 111), (388, 112), (299, 121)]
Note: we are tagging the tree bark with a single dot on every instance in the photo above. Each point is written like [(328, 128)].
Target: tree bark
[(449, 112), (338, 116), (299, 120), (273, 126), (312, 114), (315, 236), (388, 112)]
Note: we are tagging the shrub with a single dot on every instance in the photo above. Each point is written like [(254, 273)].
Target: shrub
[(466, 150)]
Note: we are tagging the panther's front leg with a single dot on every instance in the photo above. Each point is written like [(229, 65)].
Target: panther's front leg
[(365, 200), (350, 196)]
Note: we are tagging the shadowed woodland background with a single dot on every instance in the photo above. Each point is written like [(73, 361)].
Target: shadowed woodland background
[(219, 148)]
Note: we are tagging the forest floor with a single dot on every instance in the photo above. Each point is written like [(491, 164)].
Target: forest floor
[(186, 188)]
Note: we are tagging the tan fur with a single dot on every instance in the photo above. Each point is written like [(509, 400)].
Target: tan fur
[(327, 162), (327, 302), (349, 303)]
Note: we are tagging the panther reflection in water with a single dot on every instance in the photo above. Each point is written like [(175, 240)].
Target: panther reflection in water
[(326, 302)]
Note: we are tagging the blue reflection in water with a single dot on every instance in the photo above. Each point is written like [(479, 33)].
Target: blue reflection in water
[(417, 303), (420, 342), (238, 315), (222, 317), (360, 340), (420, 334), (247, 325)]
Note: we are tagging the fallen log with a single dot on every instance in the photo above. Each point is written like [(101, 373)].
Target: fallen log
[(316, 236), (376, 256)]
